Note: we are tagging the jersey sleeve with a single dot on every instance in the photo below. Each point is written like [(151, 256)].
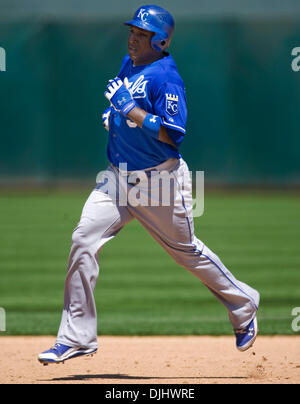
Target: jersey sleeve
[(170, 106)]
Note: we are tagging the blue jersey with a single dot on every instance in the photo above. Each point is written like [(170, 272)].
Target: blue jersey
[(158, 89)]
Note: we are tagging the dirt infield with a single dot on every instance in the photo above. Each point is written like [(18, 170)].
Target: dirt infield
[(156, 360)]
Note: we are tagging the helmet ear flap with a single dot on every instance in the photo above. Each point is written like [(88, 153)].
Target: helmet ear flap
[(158, 43)]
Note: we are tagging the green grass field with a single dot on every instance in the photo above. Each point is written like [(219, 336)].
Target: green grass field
[(141, 291)]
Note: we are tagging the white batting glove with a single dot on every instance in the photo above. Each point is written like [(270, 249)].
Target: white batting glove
[(105, 117)]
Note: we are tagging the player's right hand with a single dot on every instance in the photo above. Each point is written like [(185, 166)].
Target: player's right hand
[(106, 116)]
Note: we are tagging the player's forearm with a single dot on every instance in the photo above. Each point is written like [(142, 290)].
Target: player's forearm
[(138, 115)]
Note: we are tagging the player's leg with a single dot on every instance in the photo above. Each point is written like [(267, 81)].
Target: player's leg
[(100, 221), (173, 229)]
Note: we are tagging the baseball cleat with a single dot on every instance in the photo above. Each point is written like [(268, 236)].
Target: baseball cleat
[(59, 353), (246, 337)]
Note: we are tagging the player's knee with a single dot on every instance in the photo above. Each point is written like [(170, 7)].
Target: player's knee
[(181, 258), (188, 258), (80, 237)]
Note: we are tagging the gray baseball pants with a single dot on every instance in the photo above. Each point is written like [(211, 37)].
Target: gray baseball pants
[(106, 212)]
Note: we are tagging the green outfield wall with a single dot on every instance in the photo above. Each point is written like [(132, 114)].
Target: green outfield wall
[(242, 86)]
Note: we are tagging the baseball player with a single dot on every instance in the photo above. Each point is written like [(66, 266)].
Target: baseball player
[(146, 121)]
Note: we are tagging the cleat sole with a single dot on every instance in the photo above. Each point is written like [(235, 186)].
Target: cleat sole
[(46, 362)]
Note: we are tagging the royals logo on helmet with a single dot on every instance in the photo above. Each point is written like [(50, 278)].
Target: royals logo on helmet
[(172, 104), (143, 14)]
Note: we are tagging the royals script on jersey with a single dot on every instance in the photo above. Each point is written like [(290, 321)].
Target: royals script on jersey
[(158, 89)]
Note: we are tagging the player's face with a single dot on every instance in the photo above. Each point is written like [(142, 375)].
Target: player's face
[(139, 46)]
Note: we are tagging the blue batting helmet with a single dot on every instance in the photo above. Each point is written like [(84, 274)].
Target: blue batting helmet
[(155, 19)]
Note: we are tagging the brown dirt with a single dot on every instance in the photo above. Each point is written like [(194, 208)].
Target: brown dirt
[(156, 360)]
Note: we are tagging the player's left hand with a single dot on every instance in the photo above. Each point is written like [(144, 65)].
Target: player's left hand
[(119, 96)]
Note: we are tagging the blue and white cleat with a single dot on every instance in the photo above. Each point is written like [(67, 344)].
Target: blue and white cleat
[(246, 337), (60, 353)]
